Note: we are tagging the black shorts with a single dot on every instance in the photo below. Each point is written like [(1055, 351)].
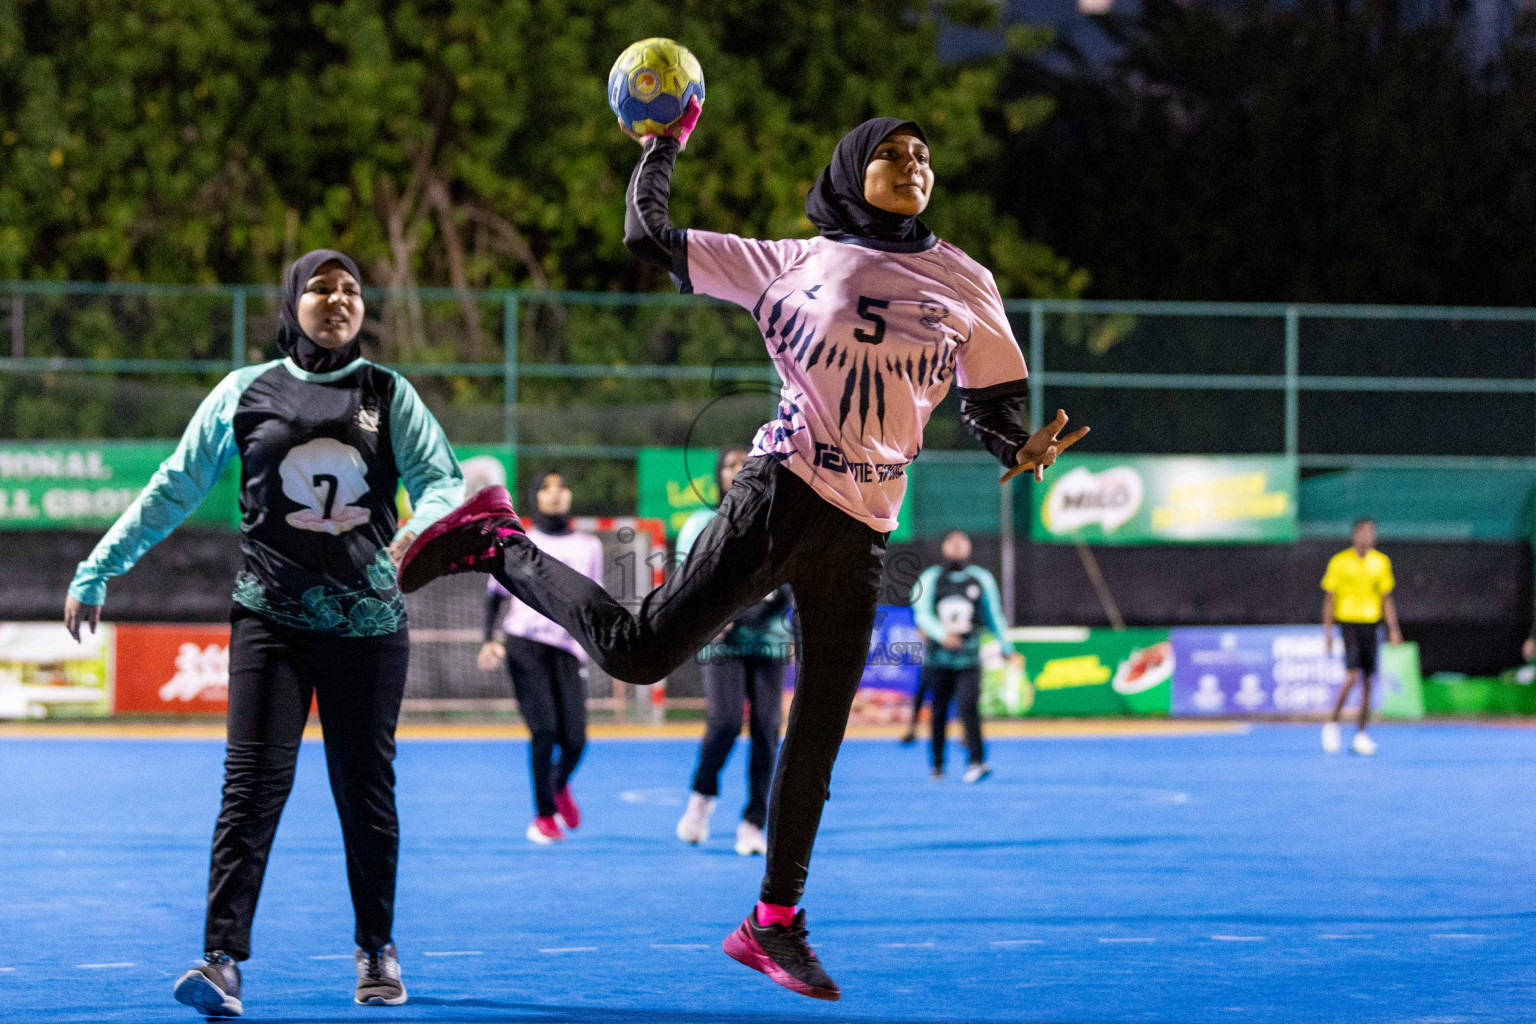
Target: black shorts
[(1360, 645)]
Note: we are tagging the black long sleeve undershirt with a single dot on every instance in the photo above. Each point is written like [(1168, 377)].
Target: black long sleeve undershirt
[(648, 230), (494, 603), (994, 416)]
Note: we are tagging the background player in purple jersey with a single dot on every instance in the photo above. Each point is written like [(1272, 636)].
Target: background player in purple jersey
[(545, 663), (867, 325)]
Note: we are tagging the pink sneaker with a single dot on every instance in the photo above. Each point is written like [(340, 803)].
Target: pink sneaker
[(545, 831), (566, 809), (783, 952), (462, 540)]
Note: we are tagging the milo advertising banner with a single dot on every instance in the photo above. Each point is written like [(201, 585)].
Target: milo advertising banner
[(1281, 670), (54, 485), (1135, 499), (1073, 670)]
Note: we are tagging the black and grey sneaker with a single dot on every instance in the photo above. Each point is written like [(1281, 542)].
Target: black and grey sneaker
[(783, 952), (214, 988), (378, 977)]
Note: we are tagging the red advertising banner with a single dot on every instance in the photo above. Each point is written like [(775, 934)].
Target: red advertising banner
[(171, 669)]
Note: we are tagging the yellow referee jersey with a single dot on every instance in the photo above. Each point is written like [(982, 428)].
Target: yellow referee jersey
[(1358, 584)]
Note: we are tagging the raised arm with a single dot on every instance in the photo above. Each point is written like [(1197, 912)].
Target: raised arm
[(648, 230), (173, 493)]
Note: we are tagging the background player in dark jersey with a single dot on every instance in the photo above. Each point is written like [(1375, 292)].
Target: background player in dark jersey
[(745, 664), (868, 325), (324, 439), (951, 604), (545, 663)]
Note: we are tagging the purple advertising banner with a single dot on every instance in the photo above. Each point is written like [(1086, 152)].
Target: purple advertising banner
[(1263, 670)]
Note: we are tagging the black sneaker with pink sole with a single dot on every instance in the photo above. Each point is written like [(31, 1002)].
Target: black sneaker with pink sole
[(464, 540), (783, 952)]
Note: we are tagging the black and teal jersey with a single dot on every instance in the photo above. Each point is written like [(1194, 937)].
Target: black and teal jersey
[(322, 457), (963, 603), (760, 630)]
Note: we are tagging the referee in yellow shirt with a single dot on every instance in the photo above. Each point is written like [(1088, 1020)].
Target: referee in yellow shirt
[(1357, 590)]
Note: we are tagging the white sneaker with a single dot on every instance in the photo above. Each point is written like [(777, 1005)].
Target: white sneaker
[(1363, 744), (977, 772), (1331, 744), (693, 826), (750, 840)]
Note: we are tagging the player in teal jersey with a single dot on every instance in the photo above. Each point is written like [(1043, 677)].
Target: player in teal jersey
[(744, 665), (951, 604)]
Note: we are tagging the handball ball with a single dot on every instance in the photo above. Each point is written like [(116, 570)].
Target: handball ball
[(651, 83)]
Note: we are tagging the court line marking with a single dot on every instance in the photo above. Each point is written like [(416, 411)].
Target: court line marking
[(570, 949), (1118, 939), (679, 945), (1018, 942), (332, 956), (1458, 935), (6, 970), (906, 945), (455, 952), (1239, 938), (102, 967)]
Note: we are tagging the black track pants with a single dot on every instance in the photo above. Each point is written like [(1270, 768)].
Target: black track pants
[(552, 697), (273, 672), (728, 684), (771, 529), (964, 685)]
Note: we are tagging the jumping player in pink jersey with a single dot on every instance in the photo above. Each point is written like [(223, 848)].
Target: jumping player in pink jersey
[(867, 325)]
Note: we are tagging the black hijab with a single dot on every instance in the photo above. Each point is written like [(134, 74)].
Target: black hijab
[(291, 339), (836, 203), (543, 521), (720, 466)]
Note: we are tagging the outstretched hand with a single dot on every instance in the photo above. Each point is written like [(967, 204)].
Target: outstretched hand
[(1044, 447), (680, 130), (77, 614)]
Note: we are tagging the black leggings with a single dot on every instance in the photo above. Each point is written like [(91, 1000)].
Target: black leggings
[(771, 529), (552, 697), (728, 684), (273, 672), (947, 684)]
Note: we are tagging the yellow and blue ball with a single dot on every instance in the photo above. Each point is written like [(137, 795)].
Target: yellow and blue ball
[(651, 83)]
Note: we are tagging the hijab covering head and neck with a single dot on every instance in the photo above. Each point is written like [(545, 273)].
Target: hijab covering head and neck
[(725, 453), (836, 203), (545, 522), (291, 339)]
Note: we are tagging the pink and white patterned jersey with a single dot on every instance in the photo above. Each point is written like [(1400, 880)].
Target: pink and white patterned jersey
[(866, 342), (582, 552)]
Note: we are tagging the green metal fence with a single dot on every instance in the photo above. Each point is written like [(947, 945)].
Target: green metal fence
[(580, 375)]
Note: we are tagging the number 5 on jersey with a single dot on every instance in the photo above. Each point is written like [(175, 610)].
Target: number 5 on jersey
[(866, 304)]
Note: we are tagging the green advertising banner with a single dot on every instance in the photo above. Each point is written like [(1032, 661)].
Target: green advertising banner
[(1074, 670), (1138, 499), (676, 482), (60, 485)]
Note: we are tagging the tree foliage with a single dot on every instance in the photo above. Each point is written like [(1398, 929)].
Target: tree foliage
[(455, 142), (1311, 152)]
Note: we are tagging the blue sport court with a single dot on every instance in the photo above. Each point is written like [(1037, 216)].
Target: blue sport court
[(1235, 875)]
